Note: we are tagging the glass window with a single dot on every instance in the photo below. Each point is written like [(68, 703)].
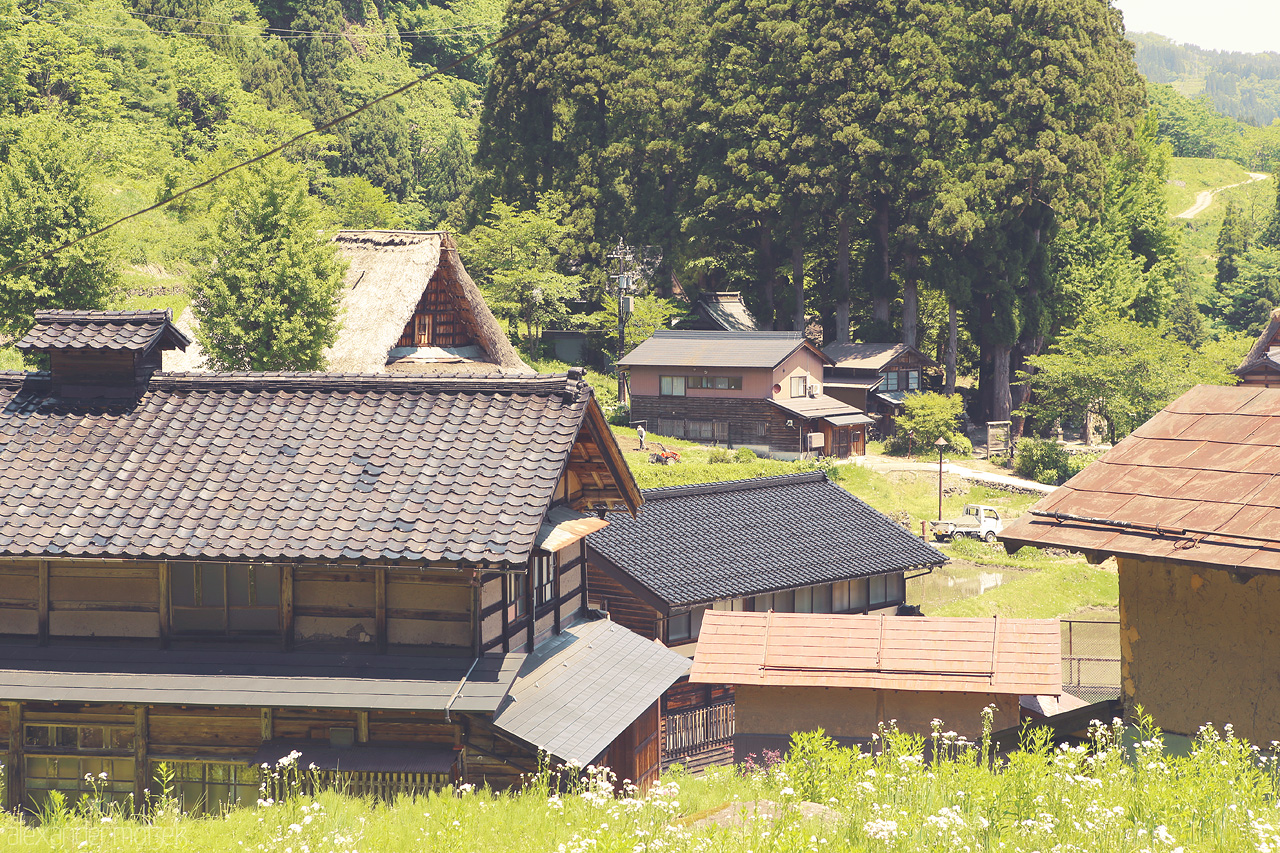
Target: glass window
[(213, 788), (822, 599), (223, 598), (679, 627), (840, 597), (515, 596), (735, 383), (784, 602), (731, 604), (804, 600), (798, 384), (913, 380), (762, 603), (878, 591), (891, 381), (858, 595), (896, 587), (544, 578), (110, 779), (671, 386)]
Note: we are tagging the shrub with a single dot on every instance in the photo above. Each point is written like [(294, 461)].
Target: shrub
[(1047, 461), (928, 417), (744, 455), (719, 456)]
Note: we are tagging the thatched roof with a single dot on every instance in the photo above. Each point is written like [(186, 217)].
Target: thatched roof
[(388, 273), (1261, 350)]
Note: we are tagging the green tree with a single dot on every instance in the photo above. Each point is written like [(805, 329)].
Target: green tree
[(649, 313), (1119, 370), (1233, 241), (1270, 236), (513, 257), (931, 416), (268, 296), (1246, 303), (46, 199)]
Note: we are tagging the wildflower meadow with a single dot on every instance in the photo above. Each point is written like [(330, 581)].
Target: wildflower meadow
[(1119, 791)]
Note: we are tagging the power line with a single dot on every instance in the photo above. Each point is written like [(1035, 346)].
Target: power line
[(555, 13)]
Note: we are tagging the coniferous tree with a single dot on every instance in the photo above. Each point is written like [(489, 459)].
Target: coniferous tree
[(268, 296), (1233, 241), (1270, 236)]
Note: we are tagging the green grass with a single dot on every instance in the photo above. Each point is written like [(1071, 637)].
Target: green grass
[(1122, 791), (11, 359), (1199, 174)]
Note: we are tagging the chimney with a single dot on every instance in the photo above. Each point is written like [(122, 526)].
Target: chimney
[(109, 354)]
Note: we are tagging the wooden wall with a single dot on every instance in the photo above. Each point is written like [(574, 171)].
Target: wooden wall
[(752, 422), (622, 605)]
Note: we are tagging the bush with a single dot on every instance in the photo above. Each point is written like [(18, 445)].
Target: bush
[(928, 417), (719, 456), (744, 455), (1047, 461)]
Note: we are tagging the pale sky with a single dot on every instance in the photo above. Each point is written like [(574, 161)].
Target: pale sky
[(1251, 26)]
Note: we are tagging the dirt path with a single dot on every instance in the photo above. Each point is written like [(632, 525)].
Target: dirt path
[(884, 464), (1205, 197)]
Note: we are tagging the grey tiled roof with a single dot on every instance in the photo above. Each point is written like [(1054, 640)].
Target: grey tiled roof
[(113, 330), (693, 544), (227, 676), (582, 689), (714, 349), (287, 466)]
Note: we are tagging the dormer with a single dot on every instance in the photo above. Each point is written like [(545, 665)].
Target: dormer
[(102, 353)]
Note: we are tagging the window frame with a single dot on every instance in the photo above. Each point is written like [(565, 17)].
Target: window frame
[(542, 570), (891, 380), (667, 386), (243, 783), (682, 622), (913, 380), (514, 588), (256, 588), (803, 386)]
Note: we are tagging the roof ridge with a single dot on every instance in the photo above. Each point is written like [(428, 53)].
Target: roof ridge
[(724, 486), (62, 315), (570, 384)]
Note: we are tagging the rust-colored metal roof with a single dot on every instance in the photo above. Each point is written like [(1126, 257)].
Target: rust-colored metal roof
[(1198, 483), (1019, 656)]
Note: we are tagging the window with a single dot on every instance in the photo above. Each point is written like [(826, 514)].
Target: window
[(858, 595), (79, 737), (679, 627), (804, 600), (896, 587), (784, 602), (544, 578), (798, 386), (719, 383), (879, 593), (731, 604), (515, 596), (204, 788), (822, 599), (891, 381), (913, 380), (840, 597), (671, 386), (224, 598), (110, 779), (762, 603)]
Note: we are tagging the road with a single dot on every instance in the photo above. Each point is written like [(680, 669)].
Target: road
[(893, 463), (1205, 197)]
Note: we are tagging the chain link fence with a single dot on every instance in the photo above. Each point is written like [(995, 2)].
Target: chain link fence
[(1091, 659)]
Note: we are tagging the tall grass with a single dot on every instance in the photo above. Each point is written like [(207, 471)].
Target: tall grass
[(1121, 791)]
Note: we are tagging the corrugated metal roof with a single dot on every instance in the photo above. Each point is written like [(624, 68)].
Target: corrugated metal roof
[(255, 678), (1201, 480), (578, 692), (868, 356), (820, 406), (714, 349), (1017, 656), (699, 543)]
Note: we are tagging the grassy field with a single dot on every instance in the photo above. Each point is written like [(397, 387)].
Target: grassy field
[(1198, 174), (1117, 793), (1200, 235)]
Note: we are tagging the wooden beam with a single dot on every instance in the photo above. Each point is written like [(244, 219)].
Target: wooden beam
[(286, 606), (268, 725), (380, 608), (141, 771), (362, 726), (165, 604), (42, 603), (13, 764)]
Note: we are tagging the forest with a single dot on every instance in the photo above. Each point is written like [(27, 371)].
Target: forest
[(984, 181)]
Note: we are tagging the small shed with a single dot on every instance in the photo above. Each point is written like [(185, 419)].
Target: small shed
[(796, 672)]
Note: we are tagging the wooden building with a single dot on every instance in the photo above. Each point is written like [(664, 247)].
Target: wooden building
[(761, 390), (1189, 505), (1261, 366), (875, 377), (378, 571), (794, 543), (408, 306), (719, 311), (794, 672)]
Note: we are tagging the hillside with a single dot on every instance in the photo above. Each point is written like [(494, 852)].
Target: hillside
[(1244, 86)]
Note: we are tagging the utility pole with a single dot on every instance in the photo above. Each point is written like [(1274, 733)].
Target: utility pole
[(625, 277)]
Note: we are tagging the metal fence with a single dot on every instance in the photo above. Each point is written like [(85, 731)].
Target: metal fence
[(1091, 659)]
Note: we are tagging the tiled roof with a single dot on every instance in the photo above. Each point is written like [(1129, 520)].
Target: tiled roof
[(115, 330), (692, 544), (287, 466), (1198, 483), (715, 349), (581, 689), (867, 356), (1018, 656)]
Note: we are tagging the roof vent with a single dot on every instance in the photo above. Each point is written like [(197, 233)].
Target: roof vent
[(102, 353)]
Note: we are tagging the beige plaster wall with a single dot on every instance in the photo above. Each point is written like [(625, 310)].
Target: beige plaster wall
[(843, 712), (1198, 646)]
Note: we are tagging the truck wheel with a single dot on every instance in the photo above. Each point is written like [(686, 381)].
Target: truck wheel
[(989, 537)]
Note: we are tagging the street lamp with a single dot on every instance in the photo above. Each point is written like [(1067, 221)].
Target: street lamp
[(941, 444)]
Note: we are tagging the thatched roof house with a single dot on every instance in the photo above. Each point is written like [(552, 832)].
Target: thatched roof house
[(408, 307)]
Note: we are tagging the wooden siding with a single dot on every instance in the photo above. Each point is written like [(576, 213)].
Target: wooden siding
[(436, 321), (622, 605), (756, 423)]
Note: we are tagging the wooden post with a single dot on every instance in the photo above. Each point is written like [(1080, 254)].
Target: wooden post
[(141, 772), (13, 764), (530, 609), (42, 603), (555, 589), (477, 622), (362, 726), (164, 603), (268, 725), (286, 606), (380, 608)]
